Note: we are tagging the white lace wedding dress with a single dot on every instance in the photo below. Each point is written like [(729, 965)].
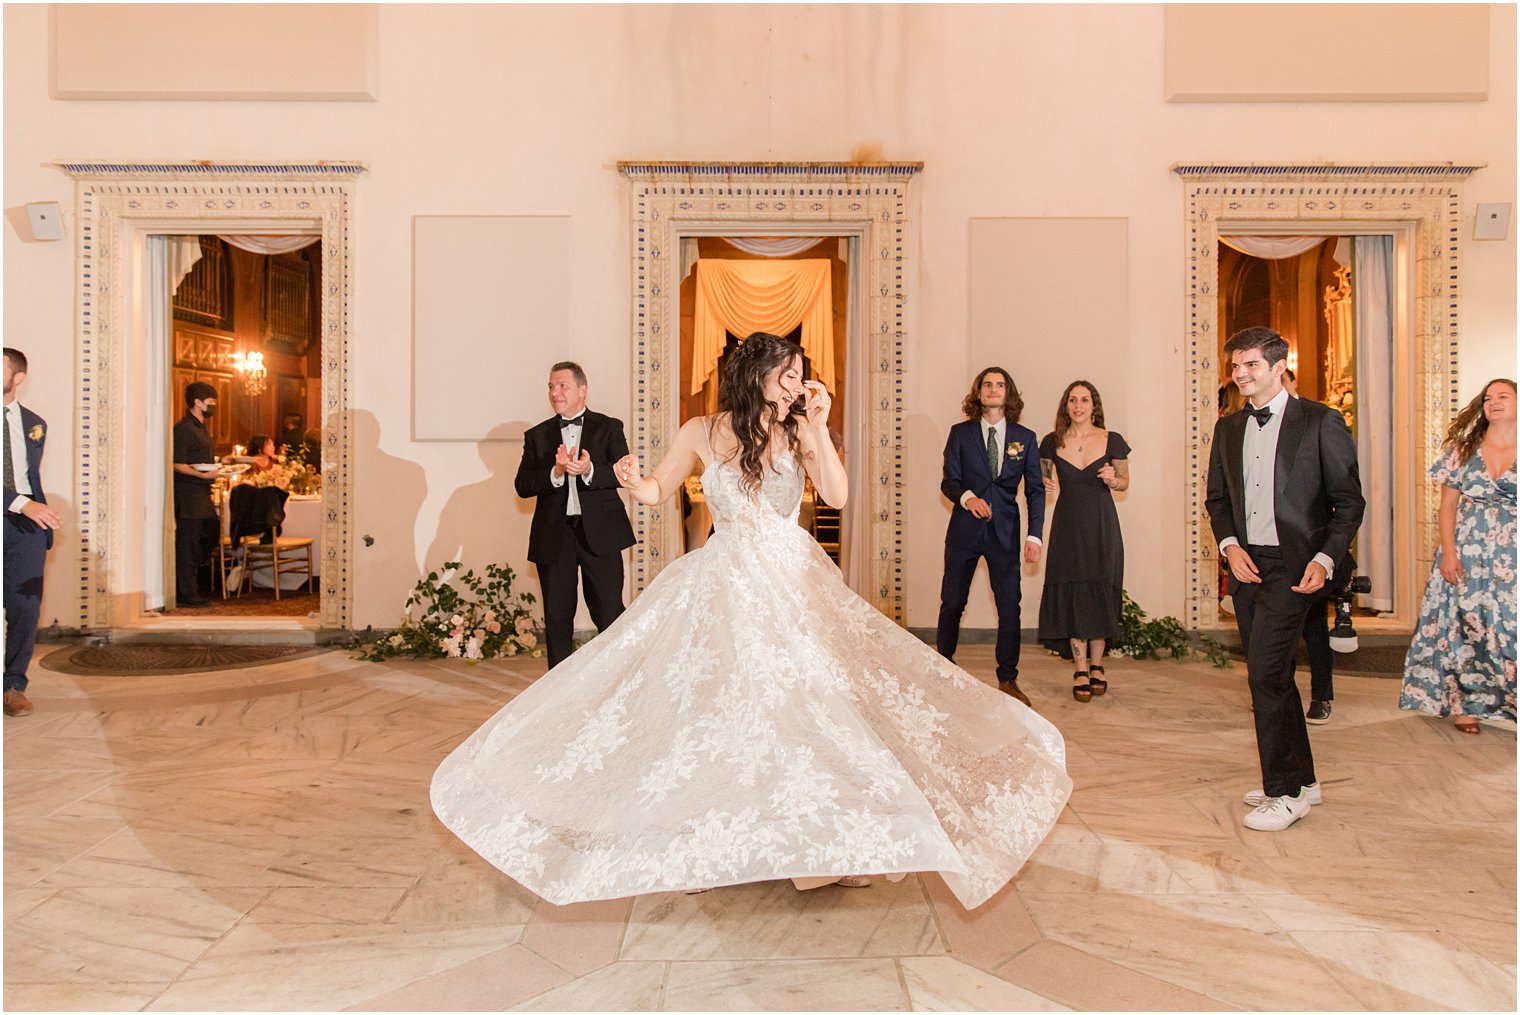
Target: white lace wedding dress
[(751, 718)]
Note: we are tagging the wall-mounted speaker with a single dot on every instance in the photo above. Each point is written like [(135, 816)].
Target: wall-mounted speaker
[(47, 220)]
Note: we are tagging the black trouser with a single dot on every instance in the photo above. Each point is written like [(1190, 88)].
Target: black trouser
[(601, 579), (25, 555), (1321, 658), (955, 587), (194, 540), (1271, 616)]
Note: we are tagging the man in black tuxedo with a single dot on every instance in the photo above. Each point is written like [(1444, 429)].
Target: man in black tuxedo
[(1284, 500), (29, 525), (986, 459), (578, 521)]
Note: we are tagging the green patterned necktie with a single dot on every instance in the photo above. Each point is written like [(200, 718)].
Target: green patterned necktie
[(10, 470), (994, 457)]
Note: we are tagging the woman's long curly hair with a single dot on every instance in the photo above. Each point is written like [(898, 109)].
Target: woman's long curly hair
[(742, 395), (1063, 416), (1468, 429), (1013, 405)]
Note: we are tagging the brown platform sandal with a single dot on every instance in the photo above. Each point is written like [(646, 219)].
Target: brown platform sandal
[(1082, 691), (1099, 685)]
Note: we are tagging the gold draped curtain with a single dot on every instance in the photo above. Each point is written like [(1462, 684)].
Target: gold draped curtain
[(772, 295)]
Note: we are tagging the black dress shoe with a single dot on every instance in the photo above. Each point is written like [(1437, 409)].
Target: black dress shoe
[(1319, 713), (192, 604), (1011, 687)]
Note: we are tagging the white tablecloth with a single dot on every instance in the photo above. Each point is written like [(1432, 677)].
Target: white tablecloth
[(303, 520)]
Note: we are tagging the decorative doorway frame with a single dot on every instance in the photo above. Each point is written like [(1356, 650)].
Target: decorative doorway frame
[(865, 199), (115, 202), (1423, 198)]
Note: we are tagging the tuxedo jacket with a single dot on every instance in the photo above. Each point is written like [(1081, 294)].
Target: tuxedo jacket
[(30, 423), (604, 520), (966, 468), (1315, 481)]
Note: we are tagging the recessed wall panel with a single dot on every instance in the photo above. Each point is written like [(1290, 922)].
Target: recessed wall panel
[(198, 51), (1050, 304), (1376, 52), (491, 315)]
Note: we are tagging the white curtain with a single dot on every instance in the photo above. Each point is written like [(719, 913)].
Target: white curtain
[(1272, 248), (170, 259), (183, 252), (1372, 300), (689, 255), (773, 246), (269, 244)]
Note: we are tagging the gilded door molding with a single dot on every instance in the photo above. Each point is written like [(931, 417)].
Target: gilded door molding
[(1428, 197), (869, 200), (113, 199)]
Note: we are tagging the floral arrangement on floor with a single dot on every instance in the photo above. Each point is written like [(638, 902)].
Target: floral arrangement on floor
[(461, 615)]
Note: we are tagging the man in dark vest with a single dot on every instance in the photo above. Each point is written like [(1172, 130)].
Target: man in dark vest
[(579, 522)]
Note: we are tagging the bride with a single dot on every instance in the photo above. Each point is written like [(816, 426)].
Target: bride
[(750, 717)]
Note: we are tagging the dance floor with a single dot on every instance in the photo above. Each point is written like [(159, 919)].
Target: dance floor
[(261, 839)]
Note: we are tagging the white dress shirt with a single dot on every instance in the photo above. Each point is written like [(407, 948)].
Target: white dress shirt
[(571, 437), (1258, 459), (20, 469), (1001, 429)]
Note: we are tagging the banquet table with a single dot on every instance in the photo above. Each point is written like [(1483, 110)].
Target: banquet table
[(303, 520)]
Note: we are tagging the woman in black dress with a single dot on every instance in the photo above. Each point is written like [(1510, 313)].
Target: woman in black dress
[(1084, 564)]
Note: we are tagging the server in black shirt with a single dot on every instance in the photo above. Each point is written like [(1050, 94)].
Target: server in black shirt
[(197, 529)]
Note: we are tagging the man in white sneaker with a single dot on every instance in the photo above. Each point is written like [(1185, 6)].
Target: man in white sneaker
[(1284, 501)]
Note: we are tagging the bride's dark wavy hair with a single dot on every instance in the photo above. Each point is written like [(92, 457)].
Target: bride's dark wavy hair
[(742, 396)]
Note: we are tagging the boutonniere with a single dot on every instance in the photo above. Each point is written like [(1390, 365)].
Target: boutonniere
[(1015, 449), (35, 433)]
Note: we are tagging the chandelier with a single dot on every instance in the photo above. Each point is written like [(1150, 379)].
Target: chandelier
[(250, 368)]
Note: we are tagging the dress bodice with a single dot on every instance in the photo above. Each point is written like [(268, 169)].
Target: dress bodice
[(1472, 481), (778, 499)]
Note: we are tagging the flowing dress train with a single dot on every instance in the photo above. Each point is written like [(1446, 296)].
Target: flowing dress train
[(751, 718)]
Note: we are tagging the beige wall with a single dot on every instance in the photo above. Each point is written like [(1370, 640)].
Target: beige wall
[(1323, 52), (1021, 112), (215, 51)]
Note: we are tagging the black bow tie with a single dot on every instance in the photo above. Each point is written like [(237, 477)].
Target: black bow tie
[(1262, 416), (577, 421)]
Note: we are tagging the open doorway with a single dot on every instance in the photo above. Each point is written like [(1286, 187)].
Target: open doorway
[(821, 265), (1333, 298), (123, 327), (242, 530)]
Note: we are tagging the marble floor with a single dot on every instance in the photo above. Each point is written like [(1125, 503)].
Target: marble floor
[(261, 839)]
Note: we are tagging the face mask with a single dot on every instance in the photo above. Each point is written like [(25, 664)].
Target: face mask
[(208, 411)]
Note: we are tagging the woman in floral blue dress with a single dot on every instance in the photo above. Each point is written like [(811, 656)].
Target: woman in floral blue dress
[(1462, 660)]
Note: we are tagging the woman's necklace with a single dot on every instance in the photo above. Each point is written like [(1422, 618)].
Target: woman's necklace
[(1081, 439)]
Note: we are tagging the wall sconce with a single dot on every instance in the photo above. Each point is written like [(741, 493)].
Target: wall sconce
[(250, 368)]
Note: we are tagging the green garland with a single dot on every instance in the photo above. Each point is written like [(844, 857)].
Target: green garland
[(1163, 638)]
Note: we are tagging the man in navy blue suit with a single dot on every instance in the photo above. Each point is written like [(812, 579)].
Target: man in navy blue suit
[(29, 525), (986, 459)]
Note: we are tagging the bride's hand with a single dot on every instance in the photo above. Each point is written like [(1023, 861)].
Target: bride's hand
[(818, 403), (627, 472)]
